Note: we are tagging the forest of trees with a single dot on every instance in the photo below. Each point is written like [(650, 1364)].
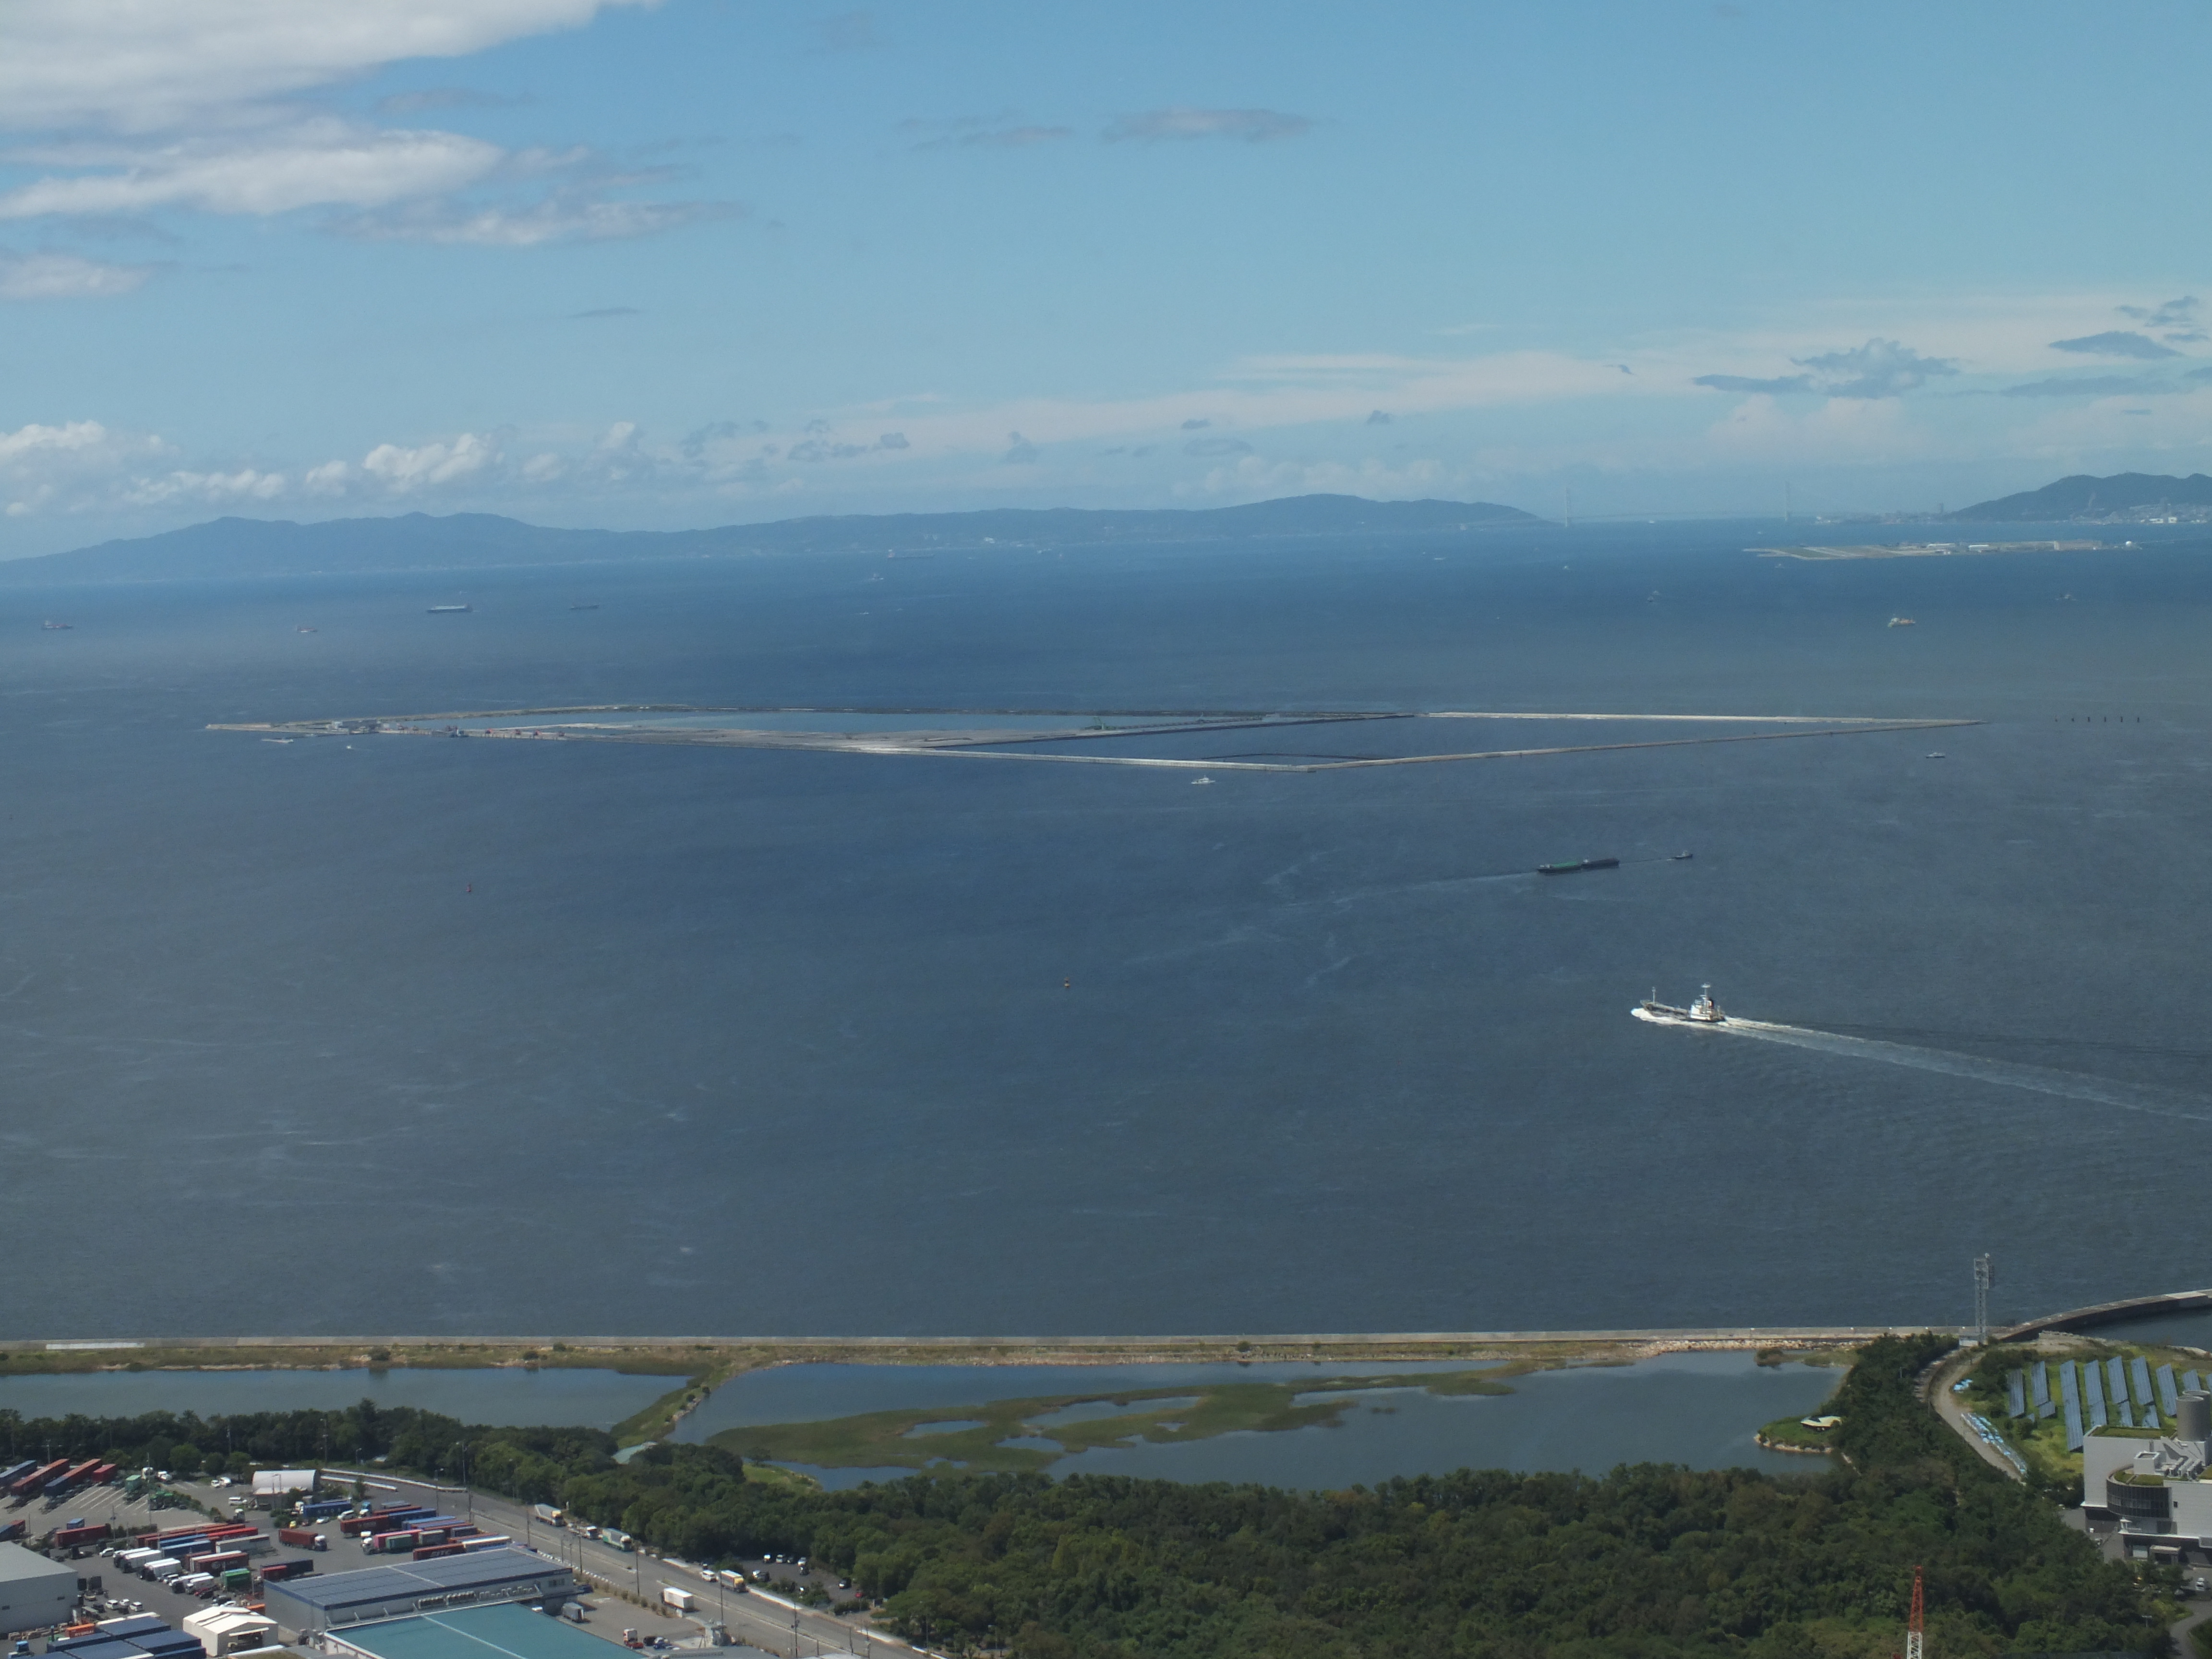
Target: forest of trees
[(1644, 1561)]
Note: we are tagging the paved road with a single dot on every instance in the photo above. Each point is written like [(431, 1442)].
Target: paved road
[(762, 1621), (1953, 1413)]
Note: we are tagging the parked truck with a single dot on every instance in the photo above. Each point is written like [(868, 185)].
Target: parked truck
[(35, 1479), (679, 1601), (549, 1514), (299, 1538)]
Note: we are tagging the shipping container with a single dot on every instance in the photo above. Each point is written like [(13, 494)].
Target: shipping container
[(103, 1475), (286, 1570), (69, 1537), (299, 1538), (682, 1601), (436, 1550), (217, 1561), (13, 1530), (9, 1477), (83, 1472), (35, 1479), (322, 1508), (161, 1566), (486, 1543), (132, 1561), (238, 1578)]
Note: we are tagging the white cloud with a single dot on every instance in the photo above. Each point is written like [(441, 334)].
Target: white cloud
[(64, 276), (1251, 126), (402, 472), (68, 463), (72, 436), (190, 99), (215, 488), (559, 218), (150, 65), (310, 165)]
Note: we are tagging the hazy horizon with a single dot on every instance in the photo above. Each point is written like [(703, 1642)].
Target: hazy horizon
[(640, 265)]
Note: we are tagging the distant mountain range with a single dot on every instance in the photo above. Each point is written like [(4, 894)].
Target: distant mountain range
[(2125, 496), (417, 541)]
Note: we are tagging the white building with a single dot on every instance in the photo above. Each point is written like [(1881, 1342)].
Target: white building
[(230, 1630), (35, 1594), (272, 1486), (2154, 1486)]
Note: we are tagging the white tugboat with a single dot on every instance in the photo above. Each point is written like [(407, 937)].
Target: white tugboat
[(1703, 1012)]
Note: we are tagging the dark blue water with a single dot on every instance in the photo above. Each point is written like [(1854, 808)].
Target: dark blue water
[(778, 1042)]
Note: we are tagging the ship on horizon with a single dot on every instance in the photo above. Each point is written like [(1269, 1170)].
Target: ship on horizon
[(1702, 1011), (448, 610)]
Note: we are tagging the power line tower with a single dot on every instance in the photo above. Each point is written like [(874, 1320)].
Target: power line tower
[(1985, 1278), (1916, 1629)]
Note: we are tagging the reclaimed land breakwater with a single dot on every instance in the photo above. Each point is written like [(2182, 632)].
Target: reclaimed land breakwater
[(698, 1364)]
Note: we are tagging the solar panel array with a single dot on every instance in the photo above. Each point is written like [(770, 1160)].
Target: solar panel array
[(2139, 1375), (2116, 1389), (2071, 1394), (2016, 1392), (2168, 1401), (2093, 1385), (2039, 1377)]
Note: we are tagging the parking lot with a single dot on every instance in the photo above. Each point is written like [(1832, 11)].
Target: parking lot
[(626, 1591)]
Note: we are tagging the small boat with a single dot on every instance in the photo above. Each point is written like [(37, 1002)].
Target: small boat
[(448, 610), (1903, 621), (583, 607), (57, 628), (1194, 782), (1703, 1012), (304, 629), (1935, 754), (1574, 864), (1679, 857)]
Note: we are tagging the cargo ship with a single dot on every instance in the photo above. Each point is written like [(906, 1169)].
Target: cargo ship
[(448, 610), (1572, 864), (1703, 1012)]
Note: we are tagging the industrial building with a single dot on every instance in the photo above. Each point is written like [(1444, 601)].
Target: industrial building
[(223, 1631), (494, 1632), (304, 1606), (2155, 1485), (35, 1594)]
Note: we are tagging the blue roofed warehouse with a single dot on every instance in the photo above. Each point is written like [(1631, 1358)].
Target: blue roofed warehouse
[(303, 1607)]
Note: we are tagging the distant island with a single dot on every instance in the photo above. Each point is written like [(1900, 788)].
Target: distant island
[(234, 547), (2123, 498)]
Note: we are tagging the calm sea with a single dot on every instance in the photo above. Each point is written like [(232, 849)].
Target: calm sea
[(419, 1037)]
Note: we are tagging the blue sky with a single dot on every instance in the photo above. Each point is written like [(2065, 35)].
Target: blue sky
[(700, 262)]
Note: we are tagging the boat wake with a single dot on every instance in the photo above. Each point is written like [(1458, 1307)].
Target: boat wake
[(2043, 1079)]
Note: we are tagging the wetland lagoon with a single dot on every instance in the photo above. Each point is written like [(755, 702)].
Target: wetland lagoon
[(1283, 1424)]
